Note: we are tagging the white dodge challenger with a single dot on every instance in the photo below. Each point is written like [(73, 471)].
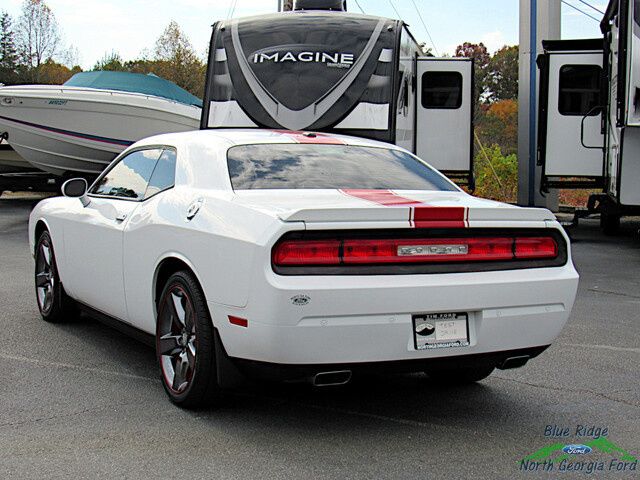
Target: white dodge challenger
[(295, 255)]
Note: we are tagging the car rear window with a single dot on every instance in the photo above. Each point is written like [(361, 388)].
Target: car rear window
[(313, 166)]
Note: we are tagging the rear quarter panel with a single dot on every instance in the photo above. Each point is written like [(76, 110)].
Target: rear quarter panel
[(220, 244)]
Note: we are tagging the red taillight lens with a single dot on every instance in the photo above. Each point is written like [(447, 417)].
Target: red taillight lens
[(307, 252), (427, 250), (536, 247), (412, 251)]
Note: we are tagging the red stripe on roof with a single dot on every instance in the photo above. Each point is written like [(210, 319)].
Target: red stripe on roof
[(439, 217), (311, 137), (382, 197)]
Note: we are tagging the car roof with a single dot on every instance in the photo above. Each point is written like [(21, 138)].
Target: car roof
[(206, 150), (226, 138)]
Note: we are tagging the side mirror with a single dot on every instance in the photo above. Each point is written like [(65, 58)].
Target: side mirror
[(75, 188)]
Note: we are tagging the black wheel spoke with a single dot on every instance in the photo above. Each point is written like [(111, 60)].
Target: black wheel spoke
[(42, 279), (188, 321), (191, 355), (46, 254), (178, 309), (169, 344), (181, 368)]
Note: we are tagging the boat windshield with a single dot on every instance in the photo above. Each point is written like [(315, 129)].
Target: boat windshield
[(134, 82)]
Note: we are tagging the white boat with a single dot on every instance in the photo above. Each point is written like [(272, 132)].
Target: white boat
[(79, 127), (10, 161)]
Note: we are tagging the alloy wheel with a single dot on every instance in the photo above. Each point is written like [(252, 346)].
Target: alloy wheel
[(176, 339), (45, 277)]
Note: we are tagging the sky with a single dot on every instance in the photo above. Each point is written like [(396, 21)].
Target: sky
[(98, 27)]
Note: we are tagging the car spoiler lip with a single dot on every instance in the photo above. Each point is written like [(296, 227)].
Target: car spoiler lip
[(407, 214)]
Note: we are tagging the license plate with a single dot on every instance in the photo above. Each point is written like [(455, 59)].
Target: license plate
[(440, 330)]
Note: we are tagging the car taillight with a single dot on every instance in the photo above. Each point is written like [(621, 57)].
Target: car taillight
[(307, 252), (427, 250), (536, 247), (412, 250)]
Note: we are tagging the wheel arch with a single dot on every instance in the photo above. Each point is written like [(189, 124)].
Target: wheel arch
[(167, 266), (40, 226)]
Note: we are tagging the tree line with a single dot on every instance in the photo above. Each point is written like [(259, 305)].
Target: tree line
[(32, 51)]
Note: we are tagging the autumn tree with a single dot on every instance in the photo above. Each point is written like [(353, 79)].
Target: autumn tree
[(481, 57), (177, 60), (54, 73), (497, 124), (37, 36), (8, 51), (502, 74)]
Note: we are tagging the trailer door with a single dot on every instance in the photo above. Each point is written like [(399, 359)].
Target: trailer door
[(632, 65), (444, 116), (570, 137)]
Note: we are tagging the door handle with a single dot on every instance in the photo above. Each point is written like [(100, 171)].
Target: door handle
[(121, 218)]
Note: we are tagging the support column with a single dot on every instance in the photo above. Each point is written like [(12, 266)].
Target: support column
[(539, 20)]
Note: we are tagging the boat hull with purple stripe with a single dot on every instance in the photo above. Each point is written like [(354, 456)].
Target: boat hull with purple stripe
[(65, 130)]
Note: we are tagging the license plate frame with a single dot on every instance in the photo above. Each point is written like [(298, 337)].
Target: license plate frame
[(433, 331)]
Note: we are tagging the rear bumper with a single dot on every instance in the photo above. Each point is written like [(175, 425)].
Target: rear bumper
[(292, 372), (368, 319)]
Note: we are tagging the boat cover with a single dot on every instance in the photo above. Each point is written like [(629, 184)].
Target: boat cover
[(133, 82)]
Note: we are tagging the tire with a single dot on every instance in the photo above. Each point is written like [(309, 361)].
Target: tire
[(460, 375), (54, 304), (185, 346), (610, 223)]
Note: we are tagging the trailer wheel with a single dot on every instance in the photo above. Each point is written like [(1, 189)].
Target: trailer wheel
[(610, 223)]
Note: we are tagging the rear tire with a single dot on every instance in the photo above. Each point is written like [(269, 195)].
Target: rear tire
[(185, 343), (460, 375), (53, 302)]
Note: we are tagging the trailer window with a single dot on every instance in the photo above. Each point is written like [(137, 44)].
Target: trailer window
[(442, 90), (579, 90), (314, 166)]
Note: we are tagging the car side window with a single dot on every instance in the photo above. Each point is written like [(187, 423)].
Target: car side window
[(129, 178), (164, 175)]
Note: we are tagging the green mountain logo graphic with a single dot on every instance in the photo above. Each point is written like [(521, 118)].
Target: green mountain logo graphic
[(554, 453)]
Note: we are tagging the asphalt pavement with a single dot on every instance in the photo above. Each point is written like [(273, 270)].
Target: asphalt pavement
[(81, 400)]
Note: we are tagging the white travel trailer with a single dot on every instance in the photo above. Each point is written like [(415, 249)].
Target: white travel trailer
[(589, 114), (321, 68)]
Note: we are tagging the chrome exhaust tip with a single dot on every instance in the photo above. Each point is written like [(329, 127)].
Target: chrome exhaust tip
[(327, 379), (514, 362)]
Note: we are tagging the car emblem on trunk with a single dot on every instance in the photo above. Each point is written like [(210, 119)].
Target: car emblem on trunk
[(415, 250)]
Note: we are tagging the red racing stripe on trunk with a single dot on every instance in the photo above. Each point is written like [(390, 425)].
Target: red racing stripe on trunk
[(420, 215), (381, 197), (311, 137), (439, 217)]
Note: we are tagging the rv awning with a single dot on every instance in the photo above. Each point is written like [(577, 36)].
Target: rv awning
[(133, 82)]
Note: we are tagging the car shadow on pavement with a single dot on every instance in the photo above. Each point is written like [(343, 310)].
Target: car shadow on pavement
[(409, 399)]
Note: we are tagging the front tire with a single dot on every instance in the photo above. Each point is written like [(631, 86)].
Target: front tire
[(460, 375), (185, 343), (54, 304)]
